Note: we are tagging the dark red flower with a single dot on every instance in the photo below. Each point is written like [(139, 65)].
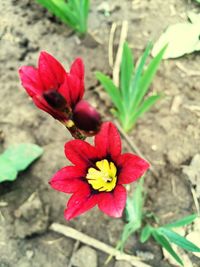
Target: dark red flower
[(98, 174), (58, 92)]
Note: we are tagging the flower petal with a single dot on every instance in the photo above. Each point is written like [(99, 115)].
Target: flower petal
[(73, 87), (108, 141), (51, 71), (132, 167), (77, 68), (67, 179), (41, 103), (31, 80), (72, 90), (80, 153), (80, 202), (113, 203)]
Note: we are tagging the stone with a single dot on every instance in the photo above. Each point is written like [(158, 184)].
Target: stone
[(85, 257), (122, 264)]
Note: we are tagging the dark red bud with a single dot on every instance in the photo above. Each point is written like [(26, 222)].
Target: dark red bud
[(86, 118), (55, 100)]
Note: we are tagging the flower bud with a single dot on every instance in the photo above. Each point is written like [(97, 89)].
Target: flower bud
[(86, 118)]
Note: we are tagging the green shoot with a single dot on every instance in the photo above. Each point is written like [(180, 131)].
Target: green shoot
[(133, 213), (74, 13), (163, 235), (130, 99), (17, 158)]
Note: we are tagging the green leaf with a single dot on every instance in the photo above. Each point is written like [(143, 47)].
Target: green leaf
[(126, 70), (146, 233), (111, 89), (135, 204), (73, 13), (57, 8), (133, 211), (182, 222), (135, 81), (7, 170), (165, 244), (145, 106), (178, 240), (22, 155), (84, 10), (148, 76)]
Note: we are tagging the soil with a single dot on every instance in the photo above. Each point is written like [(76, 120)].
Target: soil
[(169, 134)]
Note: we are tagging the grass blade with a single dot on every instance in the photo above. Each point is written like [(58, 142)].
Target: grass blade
[(146, 233), (165, 244), (182, 222), (138, 73), (148, 76), (146, 105), (112, 90), (179, 240), (126, 70), (61, 10)]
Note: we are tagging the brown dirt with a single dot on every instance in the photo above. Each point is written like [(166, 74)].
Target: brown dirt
[(168, 136)]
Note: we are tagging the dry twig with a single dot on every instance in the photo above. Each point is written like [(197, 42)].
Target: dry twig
[(74, 234), (73, 251), (195, 200), (188, 72), (116, 68), (110, 44)]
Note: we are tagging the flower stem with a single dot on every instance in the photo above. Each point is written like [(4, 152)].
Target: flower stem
[(74, 131)]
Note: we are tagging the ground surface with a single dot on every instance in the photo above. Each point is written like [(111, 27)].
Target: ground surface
[(169, 135)]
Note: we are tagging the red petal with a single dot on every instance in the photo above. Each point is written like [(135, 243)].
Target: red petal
[(67, 180), (80, 153), (30, 80), (73, 86), (132, 168), (42, 104), (108, 141), (72, 90), (77, 68), (113, 203), (51, 71), (80, 202)]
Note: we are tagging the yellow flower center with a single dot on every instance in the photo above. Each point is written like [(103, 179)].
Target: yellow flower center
[(104, 178)]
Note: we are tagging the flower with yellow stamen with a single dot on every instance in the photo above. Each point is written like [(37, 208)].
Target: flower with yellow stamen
[(98, 174)]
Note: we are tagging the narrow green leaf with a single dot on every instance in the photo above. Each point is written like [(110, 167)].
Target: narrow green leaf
[(134, 205), (84, 10), (146, 233), (128, 230), (165, 244), (85, 5), (111, 89), (61, 10), (178, 240), (138, 199), (145, 106), (69, 15), (148, 76), (135, 81), (7, 170), (22, 155), (126, 70), (182, 222)]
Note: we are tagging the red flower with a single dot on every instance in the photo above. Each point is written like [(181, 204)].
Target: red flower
[(59, 93), (98, 174)]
